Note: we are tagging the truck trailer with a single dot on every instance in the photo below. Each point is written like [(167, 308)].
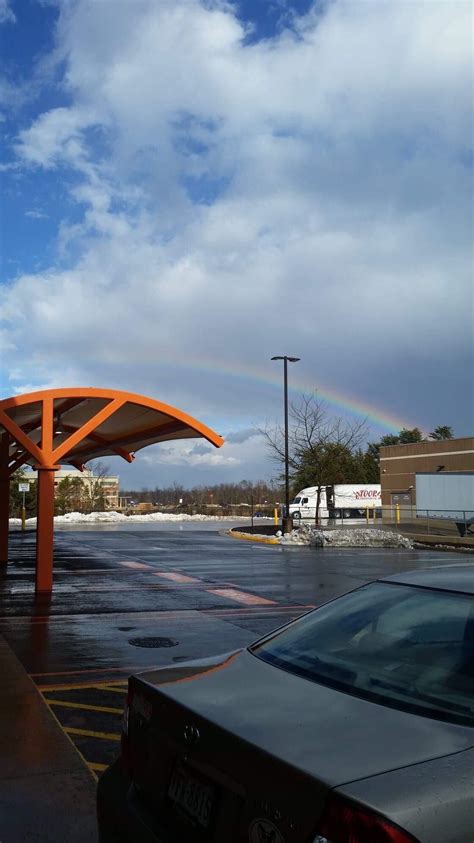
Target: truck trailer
[(343, 500)]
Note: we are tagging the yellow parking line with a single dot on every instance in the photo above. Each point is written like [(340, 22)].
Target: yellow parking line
[(67, 704), (88, 684), (68, 737), (108, 736), (121, 690), (97, 768)]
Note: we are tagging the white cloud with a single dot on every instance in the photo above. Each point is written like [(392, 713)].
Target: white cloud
[(7, 14), (182, 454), (311, 186), (55, 138), (36, 214)]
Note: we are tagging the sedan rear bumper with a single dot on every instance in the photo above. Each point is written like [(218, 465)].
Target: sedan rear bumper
[(121, 816), (112, 792)]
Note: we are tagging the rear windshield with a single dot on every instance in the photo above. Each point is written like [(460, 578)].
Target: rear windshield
[(406, 647)]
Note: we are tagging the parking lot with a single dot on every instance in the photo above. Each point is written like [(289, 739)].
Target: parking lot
[(129, 599)]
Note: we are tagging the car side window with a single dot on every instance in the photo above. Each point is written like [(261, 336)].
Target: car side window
[(405, 646)]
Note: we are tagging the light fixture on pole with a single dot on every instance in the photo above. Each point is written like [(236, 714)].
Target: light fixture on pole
[(286, 520), (58, 427)]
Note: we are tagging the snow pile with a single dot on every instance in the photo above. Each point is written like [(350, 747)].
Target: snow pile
[(112, 517), (366, 538), (87, 518), (358, 537)]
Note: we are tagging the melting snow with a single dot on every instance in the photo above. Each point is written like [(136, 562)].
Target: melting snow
[(357, 537), (118, 517)]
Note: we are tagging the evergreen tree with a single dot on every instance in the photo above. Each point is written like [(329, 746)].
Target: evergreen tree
[(16, 497), (442, 432)]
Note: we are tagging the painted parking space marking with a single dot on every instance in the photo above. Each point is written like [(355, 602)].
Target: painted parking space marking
[(97, 768), (118, 690), (112, 685), (175, 577), (125, 669), (87, 733), (85, 706), (242, 597), (138, 566), (87, 571), (142, 587), (94, 729)]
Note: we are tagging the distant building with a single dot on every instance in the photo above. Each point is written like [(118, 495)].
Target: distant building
[(399, 465), (109, 483)]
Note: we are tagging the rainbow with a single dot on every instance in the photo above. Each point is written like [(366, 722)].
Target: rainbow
[(272, 377)]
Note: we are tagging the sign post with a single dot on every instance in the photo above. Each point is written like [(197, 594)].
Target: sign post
[(24, 488)]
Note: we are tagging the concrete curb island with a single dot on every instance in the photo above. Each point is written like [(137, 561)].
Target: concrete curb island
[(436, 542)]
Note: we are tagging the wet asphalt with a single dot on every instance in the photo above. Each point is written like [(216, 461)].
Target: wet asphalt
[(111, 586), (130, 598)]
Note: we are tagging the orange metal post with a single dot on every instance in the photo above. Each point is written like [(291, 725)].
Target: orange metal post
[(4, 496), (45, 505), (45, 529)]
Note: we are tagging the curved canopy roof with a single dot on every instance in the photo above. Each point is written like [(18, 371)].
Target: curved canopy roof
[(77, 425)]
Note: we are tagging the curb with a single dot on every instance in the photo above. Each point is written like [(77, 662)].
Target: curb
[(250, 538), (42, 771)]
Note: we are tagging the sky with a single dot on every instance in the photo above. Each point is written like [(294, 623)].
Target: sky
[(190, 187)]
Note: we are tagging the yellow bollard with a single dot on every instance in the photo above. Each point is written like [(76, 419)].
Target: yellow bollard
[(23, 518), (397, 513), (375, 515), (275, 515), (367, 514)]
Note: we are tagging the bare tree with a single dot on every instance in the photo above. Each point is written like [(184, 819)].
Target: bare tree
[(94, 494), (321, 446)]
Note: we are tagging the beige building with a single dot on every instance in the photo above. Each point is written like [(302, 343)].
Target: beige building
[(109, 483), (399, 465)]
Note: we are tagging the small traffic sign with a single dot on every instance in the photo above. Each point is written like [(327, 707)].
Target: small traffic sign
[(23, 487)]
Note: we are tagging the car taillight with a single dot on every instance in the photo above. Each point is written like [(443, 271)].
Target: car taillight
[(344, 822), (125, 745)]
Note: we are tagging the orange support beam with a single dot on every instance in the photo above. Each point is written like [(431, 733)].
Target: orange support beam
[(4, 496), (19, 436), (20, 458), (45, 506), (88, 427), (45, 529), (101, 440)]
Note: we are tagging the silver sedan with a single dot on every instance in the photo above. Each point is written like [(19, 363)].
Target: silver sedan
[(353, 724)]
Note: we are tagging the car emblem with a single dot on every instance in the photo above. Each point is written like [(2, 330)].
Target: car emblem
[(191, 735), (263, 831)]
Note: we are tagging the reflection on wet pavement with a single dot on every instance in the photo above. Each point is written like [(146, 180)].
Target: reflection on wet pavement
[(205, 592)]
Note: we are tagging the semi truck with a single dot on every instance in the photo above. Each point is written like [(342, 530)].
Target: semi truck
[(343, 500)]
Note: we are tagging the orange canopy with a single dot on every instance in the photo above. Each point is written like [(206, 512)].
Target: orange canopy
[(76, 425), (54, 426)]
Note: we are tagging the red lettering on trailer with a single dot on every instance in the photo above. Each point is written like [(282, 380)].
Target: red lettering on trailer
[(366, 493)]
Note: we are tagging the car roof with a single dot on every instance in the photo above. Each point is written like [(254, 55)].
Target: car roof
[(459, 578)]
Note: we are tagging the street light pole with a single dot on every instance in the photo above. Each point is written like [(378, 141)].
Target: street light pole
[(286, 521)]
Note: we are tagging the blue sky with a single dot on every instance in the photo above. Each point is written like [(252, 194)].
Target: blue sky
[(219, 182)]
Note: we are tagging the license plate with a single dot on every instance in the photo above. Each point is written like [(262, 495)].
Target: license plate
[(192, 795)]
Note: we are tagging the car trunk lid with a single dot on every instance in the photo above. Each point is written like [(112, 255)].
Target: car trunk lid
[(268, 746)]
